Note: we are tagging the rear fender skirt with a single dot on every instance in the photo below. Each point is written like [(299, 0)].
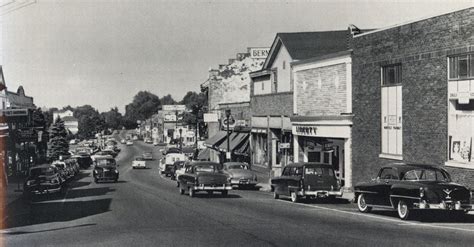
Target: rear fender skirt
[(409, 199)]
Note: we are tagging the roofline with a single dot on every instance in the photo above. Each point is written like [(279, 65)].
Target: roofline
[(323, 57), (409, 22), (272, 49)]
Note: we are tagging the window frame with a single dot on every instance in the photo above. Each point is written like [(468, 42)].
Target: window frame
[(398, 74), (453, 64)]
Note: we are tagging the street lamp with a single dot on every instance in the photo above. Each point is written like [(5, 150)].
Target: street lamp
[(227, 115)]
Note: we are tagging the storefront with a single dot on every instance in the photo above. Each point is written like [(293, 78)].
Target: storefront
[(324, 140)]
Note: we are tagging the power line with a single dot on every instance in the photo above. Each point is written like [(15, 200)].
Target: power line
[(14, 6)]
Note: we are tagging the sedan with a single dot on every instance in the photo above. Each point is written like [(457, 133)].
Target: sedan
[(139, 162), (240, 174), (407, 188)]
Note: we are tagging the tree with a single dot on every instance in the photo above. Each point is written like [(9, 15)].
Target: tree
[(38, 118), (49, 116), (58, 143), (144, 105), (197, 105), (168, 100), (89, 120), (112, 118)]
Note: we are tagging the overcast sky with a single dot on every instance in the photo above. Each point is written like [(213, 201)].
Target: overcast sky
[(102, 52)]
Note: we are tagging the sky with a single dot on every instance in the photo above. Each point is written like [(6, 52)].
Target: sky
[(102, 52)]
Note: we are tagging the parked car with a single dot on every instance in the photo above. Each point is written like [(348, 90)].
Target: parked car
[(178, 168), (409, 187), (42, 179), (166, 163), (155, 143), (147, 156), (83, 159), (204, 176), (109, 151), (310, 180), (148, 140), (105, 169), (129, 143), (123, 141), (63, 172), (139, 162), (240, 174)]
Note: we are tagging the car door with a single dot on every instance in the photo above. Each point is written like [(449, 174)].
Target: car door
[(294, 179), (383, 184)]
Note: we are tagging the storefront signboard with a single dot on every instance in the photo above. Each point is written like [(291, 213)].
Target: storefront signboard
[(259, 52), (210, 118), (174, 107)]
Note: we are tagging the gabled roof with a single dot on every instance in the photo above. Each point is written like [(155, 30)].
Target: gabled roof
[(68, 118), (304, 45)]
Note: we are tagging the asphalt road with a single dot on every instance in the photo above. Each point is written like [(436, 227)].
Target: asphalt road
[(146, 209)]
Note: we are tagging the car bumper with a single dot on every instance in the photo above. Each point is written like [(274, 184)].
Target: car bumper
[(44, 190), (445, 205), (212, 187), (320, 193), (243, 182)]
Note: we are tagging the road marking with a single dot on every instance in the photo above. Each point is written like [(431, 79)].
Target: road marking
[(382, 218)]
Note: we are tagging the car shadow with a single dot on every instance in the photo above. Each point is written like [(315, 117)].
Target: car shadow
[(254, 188), (326, 201), (205, 195), (48, 212), (47, 230), (431, 216), (77, 184), (100, 191)]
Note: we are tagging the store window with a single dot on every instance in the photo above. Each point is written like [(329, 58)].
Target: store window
[(274, 81), (461, 67), (392, 133)]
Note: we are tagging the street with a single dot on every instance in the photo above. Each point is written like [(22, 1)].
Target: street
[(145, 209)]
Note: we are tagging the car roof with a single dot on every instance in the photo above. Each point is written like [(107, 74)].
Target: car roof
[(41, 166), (301, 164), (204, 163), (409, 166), (235, 163)]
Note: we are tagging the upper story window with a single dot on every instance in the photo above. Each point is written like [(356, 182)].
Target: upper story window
[(461, 67), (392, 74), (284, 65), (274, 81)]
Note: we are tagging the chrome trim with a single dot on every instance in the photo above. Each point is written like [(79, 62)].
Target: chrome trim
[(365, 191), (409, 197)]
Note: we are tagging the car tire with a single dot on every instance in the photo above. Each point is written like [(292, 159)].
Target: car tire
[(362, 205), (225, 193), (181, 191), (403, 210), (275, 195), (294, 197), (177, 184), (191, 192)]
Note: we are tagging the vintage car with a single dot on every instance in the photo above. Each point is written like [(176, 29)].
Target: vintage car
[(240, 174), (166, 163), (64, 173), (42, 179), (83, 159), (310, 180), (409, 187), (204, 176), (123, 141), (178, 168), (147, 156), (139, 162), (129, 143), (105, 169)]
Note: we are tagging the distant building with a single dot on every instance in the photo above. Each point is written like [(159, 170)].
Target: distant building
[(70, 122)]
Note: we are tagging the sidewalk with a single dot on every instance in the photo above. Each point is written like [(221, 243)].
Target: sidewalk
[(13, 191)]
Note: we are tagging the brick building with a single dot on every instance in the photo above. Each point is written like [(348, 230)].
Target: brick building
[(272, 87), (413, 91)]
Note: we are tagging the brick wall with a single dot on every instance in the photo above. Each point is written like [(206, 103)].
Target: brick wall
[(422, 49), (321, 91), (272, 104)]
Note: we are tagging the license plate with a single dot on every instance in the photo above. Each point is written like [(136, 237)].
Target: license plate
[(322, 194), (244, 181)]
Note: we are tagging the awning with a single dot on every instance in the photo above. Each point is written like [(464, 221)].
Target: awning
[(244, 149), (215, 140), (236, 140), (204, 154)]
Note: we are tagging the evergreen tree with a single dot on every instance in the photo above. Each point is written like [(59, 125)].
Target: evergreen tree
[(58, 142)]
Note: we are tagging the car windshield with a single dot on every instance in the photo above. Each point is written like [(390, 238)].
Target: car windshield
[(421, 174), (147, 154), (41, 172), (139, 158), (320, 171), (59, 165), (205, 168), (238, 166), (105, 162)]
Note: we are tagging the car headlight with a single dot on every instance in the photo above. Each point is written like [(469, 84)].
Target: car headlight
[(115, 171)]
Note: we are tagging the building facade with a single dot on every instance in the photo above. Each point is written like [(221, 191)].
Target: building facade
[(272, 98), (413, 96), (322, 107), (70, 122)]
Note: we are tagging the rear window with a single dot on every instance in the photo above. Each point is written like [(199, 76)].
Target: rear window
[(319, 171), (205, 168), (105, 162)]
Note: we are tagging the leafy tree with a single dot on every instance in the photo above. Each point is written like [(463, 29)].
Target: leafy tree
[(197, 105), (168, 100), (112, 118), (58, 143), (144, 105), (48, 116), (38, 118), (89, 120)]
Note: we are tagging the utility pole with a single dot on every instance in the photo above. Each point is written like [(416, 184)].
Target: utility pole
[(228, 154)]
